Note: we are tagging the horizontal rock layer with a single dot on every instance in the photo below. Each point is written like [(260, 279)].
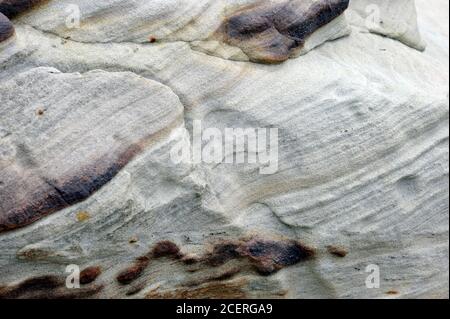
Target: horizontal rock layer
[(362, 176)]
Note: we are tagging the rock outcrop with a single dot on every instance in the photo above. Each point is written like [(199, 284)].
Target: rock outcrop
[(91, 112), (393, 19), (6, 28)]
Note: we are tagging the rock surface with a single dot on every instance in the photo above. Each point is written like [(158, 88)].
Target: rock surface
[(6, 28), (56, 155), (393, 19), (89, 117)]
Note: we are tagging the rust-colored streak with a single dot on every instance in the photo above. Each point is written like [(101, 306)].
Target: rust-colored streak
[(132, 273), (56, 195), (222, 253), (215, 290), (6, 28), (83, 216), (31, 286), (161, 249), (273, 33), (266, 256), (12, 8), (166, 249), (134, 290), (337, 251)]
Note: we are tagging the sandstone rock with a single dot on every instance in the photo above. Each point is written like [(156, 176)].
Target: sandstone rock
[(396, 19), (62, 147), (273, 33), (268, 31)]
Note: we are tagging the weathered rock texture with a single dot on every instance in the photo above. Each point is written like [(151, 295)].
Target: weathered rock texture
[(394, 19), (89, 117), (13, 8), (273, 33), (87, 141)]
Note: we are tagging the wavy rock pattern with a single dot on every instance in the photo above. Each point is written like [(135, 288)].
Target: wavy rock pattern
[(10, 9), (86, 175), (6, 28)]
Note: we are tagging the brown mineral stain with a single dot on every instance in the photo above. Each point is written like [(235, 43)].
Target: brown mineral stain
[(133, 240), (83, 216), (222, 253), (68, 191), (272, 33), (6, 28), (215, 290), (392, 292), (56, 194), (264, 256), (166, 249), (12, 8), (59, 194), (220, 276), (337, 251), (33, 254), (152, 39)]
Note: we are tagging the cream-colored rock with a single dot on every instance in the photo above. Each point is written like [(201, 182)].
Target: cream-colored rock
[(396, 19), (363, 166), (62, 146)]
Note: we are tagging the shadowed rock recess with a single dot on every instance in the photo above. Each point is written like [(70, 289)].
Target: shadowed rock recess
[(6, 28), (94, 152), (99, 165), (266, 257), (274, 33)]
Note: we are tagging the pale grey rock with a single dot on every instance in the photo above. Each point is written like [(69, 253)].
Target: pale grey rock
[(363, 132), (65, 144)]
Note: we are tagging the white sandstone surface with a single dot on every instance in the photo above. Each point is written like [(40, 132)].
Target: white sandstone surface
[(363, 150)]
